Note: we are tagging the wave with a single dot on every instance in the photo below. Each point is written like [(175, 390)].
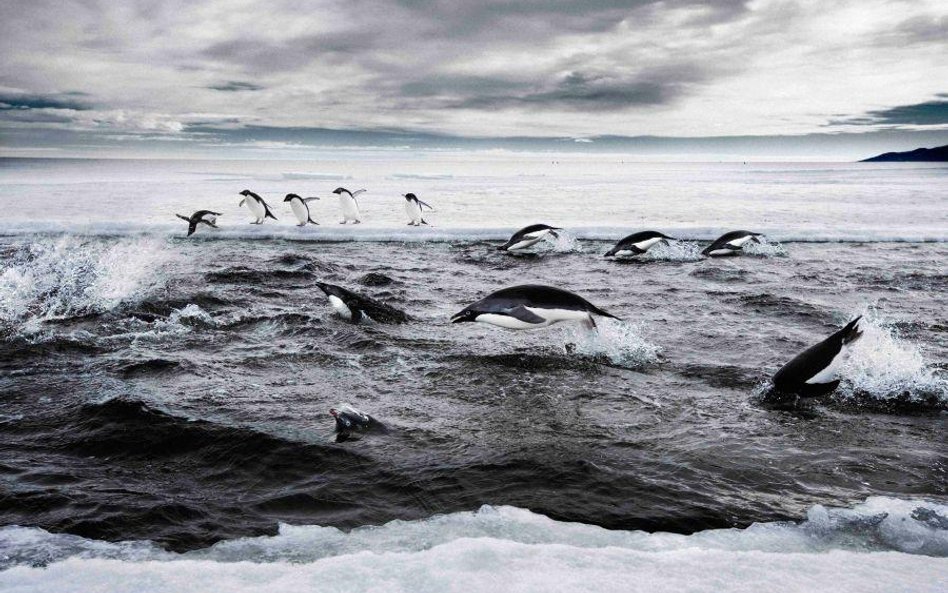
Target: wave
[(882, 544), (73, 276), (399, 233)]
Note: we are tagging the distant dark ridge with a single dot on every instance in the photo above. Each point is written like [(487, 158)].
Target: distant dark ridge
[(931, 155)]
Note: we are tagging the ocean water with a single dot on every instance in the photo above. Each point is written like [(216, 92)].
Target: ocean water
[(165, 399)]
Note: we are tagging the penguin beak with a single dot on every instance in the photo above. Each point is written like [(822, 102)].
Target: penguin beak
[(461, 317), (333, 412)]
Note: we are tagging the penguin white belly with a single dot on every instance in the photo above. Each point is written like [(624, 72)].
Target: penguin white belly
[(831, 372), (723, 252), (350, 209), (739, 241), (413, 210), (340, 306), (644, 245), (626, 252), (557, 315), (256, 208), (299, 209), (508, 322)]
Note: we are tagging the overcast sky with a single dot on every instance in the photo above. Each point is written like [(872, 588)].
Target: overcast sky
[(280, 73)]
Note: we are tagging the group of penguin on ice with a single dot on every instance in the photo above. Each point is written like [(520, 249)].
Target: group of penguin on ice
[(811, 374)]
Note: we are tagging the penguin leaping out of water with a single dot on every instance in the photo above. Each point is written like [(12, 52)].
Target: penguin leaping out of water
[(413, 209), (259, 208), (300, 207), (815, 371), (730, 243), (355, 307), (528, 236), (200, 217), (637, 244), (349, 205), (531, 306)]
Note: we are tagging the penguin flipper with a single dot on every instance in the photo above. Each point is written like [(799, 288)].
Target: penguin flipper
[(524, 315), (182, 217)]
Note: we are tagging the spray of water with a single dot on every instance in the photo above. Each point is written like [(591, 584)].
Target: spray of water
[(765, 248), (620, 342), (566, 242), (70, 276), (883, 366), (674, 251)]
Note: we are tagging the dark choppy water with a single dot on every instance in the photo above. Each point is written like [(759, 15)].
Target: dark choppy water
[(177, 391)]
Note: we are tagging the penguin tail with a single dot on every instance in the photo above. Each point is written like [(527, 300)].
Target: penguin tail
[(601, 313), (270, 215), (852, 331), (310, 219), (425, 222)]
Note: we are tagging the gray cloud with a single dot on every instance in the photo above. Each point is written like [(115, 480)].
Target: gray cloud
[(929, 113), (23, 100), (236, 86)]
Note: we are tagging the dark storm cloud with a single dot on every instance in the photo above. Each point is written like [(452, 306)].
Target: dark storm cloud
[(929, 113), (20, 100), (234, 86)]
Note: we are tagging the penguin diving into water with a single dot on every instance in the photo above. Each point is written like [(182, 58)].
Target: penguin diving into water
[(413, 209), (259, 208), (531, 306), (300, 207), (200, 217), (529, 236), (351, 424), (637, 244), (349, 205), (354, 307), (815, 371), (730, 243)]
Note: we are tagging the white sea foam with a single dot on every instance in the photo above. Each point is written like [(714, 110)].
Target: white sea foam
[(765, 248), (676, 251), (884, 366), (67, 276), (883, 544)]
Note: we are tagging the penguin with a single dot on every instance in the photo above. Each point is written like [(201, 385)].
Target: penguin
[(300, 207), (201, 216), (354, 307), (531, 306), (259, 208), (637, 243), (730, 243), (413, 209), (527, 236), (814, 372), (351, 423), (350, 207)]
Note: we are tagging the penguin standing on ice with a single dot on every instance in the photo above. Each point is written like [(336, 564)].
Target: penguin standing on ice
[(815, 371), (730, 243), (528, 236), (413, 209), (300, 207), (637, 244), (259, 208), (349, 205), (200, 217), (531, 306)]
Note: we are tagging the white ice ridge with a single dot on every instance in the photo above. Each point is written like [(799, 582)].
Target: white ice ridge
[(881, 545)]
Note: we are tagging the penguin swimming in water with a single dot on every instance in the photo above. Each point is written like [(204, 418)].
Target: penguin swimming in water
[(637, 243), (300, 207), (531, 306), (413, 209), (355, 307), (351, 424), (528, 236), (200, 217), (730, 243), (814, 372), (259, 208), (349, 205)]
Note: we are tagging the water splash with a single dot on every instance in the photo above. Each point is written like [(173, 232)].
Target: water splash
[(70, 276), (674, 251), (566, 242), (766, 248), (620, 342), (882, 366)]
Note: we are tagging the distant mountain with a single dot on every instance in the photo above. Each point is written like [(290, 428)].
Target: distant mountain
[(932, 155)]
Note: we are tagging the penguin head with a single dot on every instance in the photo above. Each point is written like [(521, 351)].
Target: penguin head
[(466, 315), (340, 190), (410, 197), (291, 197), (246, 193)]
